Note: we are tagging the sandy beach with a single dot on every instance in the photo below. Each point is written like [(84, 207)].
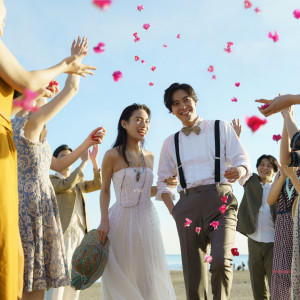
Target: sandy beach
[(241, 287)]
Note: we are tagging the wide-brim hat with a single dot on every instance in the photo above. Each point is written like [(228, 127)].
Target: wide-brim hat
[(89, 260)]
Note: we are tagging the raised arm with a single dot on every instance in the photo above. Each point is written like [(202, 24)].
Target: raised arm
[(237, 127), (276, 187), (278, 104), (284, 146), (15, 75), (107, 172), (289, 122), (95, 137)]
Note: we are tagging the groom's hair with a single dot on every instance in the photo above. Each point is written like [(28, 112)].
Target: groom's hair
[(175, 87)]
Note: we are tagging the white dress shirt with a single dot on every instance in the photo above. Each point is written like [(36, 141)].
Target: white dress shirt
[(197, 155), (264, 224)]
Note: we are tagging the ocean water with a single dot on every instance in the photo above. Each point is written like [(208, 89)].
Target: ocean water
[(174, 261)]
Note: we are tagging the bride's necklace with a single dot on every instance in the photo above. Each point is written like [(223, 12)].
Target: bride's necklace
[(138, 174)]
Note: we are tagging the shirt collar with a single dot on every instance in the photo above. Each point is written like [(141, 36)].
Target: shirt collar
[(197, 123), (60, 175)]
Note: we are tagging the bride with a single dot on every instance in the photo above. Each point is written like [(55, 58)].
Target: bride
[(136, 267)]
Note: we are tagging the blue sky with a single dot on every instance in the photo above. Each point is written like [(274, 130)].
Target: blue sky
[(39, 34)]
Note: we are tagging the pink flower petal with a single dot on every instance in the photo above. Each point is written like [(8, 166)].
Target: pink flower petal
[(140, 7), (257, 10), (198, 230), (254, 123), (276, 137), (264, 106), (164, 45), (117, 75), (98, 48), (142, 61), (214, 224), (102, 4), (247, 4), (135, 34), (153, 68), (151, 83), (296, 13), (222, 209), (234, 99), (210, 68), (224, 199), (274, 37), (214, 77), (235, 252), (237, 84), (178, 36), (137, 39), (188, 222), (27, 102), (136, 58), (146, 26), (208, 258)]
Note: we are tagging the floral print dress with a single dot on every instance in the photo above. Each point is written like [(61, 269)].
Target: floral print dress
[(39, 222)]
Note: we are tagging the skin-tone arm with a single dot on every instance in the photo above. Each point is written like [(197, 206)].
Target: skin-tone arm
[(237, 127), (59, 164), (107, 171), (167, 198), (284, 147), (276, 187), (289, 122), (93, 157), (18, 78), (292, 174), (278, 104), (172, 182), (38, 119)]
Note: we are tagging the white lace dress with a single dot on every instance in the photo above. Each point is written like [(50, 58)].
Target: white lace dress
[(137, 267)]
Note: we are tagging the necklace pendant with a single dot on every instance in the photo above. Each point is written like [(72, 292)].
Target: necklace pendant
[(137, 177)]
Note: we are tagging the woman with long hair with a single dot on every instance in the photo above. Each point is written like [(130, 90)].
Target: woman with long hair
[(136, 267)]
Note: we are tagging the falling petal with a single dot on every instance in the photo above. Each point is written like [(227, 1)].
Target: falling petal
[(136, 58), (188, 222), (235, 252), (257, 10), (164, 45), (198, 230), (214, 77), (276, 137), (296, 13), (264, 106), (247, 4), (27, 102), (214, 224), (140, 7), (234, 99), (210, 69), (151, 83), (117, 75), (102, 4), (142, 61), (222, 209), (208, 258), (178, 36), (274, 37), (254, 123), (146, 26), (153, 68), (98, 48), (224, 199), (237, 84)]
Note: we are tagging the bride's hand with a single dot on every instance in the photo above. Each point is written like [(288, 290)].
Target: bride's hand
[(103, 230)]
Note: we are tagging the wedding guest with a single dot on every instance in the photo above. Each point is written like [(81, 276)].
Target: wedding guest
[(13, 76), (70, 188), (136, 267), (208, 157), (40, 228)]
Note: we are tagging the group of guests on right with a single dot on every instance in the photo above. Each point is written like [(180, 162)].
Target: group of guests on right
[(269, 214)]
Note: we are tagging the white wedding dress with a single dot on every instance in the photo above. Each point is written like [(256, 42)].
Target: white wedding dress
[(136, 267)]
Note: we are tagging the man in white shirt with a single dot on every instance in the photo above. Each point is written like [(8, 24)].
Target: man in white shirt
[(208, 160), (256, 219)]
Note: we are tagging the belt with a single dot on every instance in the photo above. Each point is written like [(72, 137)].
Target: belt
[(200, 188)]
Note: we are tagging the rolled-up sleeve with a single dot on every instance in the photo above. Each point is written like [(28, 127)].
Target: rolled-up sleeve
[(235, 153), (166, 169)]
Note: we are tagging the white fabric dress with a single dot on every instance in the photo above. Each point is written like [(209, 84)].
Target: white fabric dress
[(137, 267)]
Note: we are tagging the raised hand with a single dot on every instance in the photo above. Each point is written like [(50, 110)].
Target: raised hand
[(94, 153), (95, 137), (80, 47), (237, 127)]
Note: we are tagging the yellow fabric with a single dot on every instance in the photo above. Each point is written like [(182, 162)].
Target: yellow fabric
[(11, 251)]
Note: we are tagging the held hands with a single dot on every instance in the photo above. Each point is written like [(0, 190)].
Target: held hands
[(232, 174), (103, 230), (276, 105), (95, 137), (172, 182), (236, 126), (94, 153)]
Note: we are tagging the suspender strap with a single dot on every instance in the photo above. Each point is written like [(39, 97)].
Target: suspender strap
[(217, 152), (180, 171)]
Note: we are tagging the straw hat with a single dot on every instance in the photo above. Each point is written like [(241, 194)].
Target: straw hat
[(89, 260)]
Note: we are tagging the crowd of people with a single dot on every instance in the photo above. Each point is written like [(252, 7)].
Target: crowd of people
[(44, 219)]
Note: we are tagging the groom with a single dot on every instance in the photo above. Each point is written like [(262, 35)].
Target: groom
[(207, 157)]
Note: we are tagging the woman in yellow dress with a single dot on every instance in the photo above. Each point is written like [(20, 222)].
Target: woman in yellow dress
[(13, 76)]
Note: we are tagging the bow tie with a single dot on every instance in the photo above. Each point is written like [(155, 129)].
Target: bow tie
[(188, 130)]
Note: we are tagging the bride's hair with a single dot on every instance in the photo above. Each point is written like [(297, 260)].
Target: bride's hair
[(121, 140)]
